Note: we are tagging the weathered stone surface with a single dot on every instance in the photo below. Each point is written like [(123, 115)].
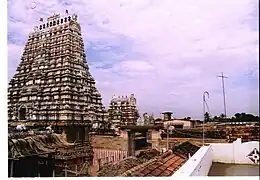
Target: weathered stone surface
[(53, 87), (123, 110), (52, 81)]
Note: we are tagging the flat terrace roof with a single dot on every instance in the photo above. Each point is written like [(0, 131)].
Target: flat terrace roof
[(50, 122), (138, 128), (167, 112), (221, 169)]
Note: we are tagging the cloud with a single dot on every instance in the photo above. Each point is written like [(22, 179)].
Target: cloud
[(165, 52)]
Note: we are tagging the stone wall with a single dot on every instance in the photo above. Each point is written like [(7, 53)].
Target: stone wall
[(109, 142)]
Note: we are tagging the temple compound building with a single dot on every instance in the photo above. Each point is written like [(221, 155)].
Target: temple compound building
[(53, 88), (123, 110)]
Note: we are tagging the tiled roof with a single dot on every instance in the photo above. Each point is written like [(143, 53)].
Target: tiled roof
[(118, 168), (164, 165), (34, 145), (37, 145), (185, 149), (146, 155)]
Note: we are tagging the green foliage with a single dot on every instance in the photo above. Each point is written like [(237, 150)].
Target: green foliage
[(238, 117), (206, 117)]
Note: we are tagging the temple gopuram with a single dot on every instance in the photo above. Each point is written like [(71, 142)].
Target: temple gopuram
[(123, 110), (52, 103)]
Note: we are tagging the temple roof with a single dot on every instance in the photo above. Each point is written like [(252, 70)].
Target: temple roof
[(35, 145)]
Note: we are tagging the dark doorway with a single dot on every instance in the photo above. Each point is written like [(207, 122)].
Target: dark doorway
[(178, 126), (22, 113)]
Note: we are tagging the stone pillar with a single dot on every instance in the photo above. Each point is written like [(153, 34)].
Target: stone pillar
[(86, 133), (12, 168), (113, 160), (66, 173), (88, 168), (131, 143)]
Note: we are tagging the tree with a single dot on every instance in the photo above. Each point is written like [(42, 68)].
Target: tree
[(243, 115), (215, 119), (237, 115), (206, 117), (222, 116)]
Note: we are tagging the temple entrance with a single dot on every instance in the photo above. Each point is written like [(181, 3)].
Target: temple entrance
[(22, 113)]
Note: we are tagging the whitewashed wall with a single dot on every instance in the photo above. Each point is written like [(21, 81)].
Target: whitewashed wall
[(236, 152), (198, 165), (186, 124)]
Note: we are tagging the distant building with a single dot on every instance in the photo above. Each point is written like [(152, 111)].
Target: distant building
[(185, 123), (167, 115), (123, 110), (182, 123)]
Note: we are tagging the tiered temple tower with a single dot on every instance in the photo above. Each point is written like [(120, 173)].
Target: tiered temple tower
[(53, 86), (52, 82), (123, 110)]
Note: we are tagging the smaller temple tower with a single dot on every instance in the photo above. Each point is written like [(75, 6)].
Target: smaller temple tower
[(123, 110)]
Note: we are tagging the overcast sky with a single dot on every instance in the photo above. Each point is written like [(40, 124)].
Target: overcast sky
[(165, 52)]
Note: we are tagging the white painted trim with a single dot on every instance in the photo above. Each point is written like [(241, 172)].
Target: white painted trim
[(198, 165)]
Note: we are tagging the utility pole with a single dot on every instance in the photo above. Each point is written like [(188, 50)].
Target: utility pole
[(204, 103), (223, 86), (167, 138)]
